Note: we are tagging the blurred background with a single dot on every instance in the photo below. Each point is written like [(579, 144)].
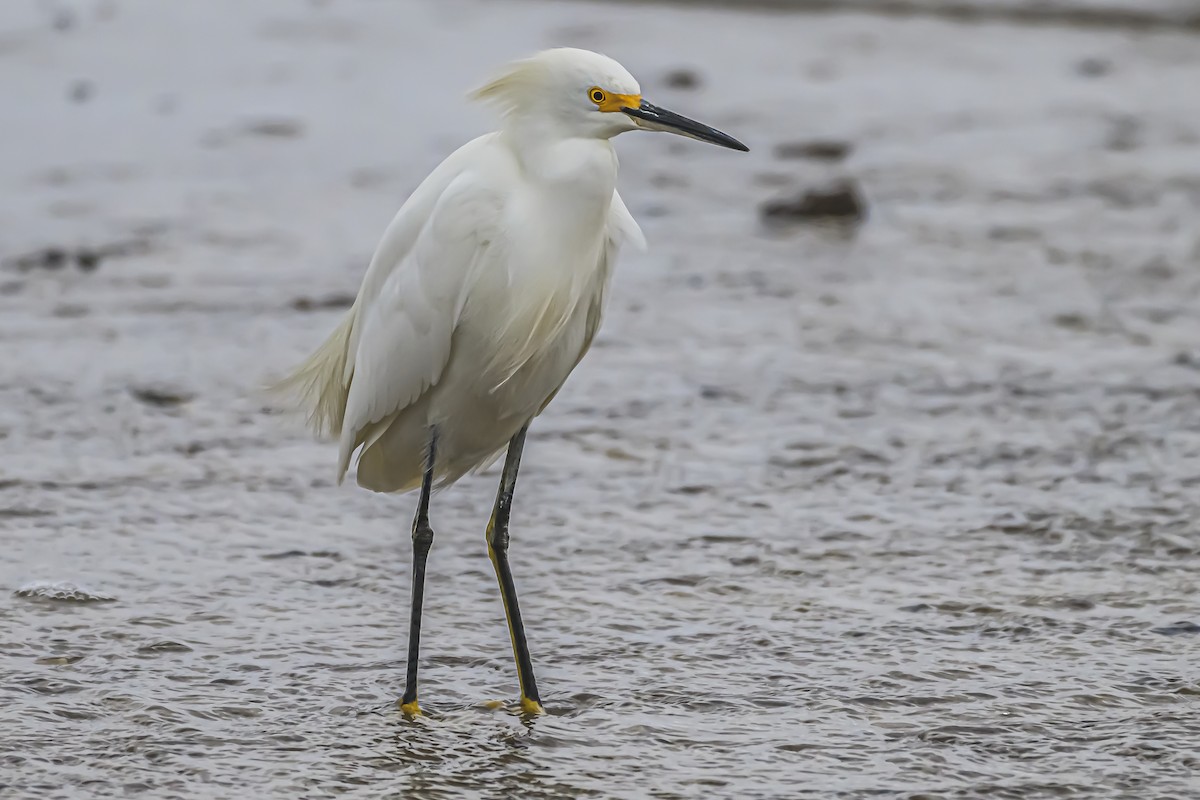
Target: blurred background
[(881, 479)]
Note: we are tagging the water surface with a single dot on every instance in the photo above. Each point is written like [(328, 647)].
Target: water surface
[(907, 510)]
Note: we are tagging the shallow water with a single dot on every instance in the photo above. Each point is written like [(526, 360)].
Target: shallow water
[(906, 510)]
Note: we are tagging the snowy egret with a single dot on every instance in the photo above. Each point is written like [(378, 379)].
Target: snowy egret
[(483, 295)]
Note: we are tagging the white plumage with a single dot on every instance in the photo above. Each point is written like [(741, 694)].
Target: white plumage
[(484, 294), (488, 286)]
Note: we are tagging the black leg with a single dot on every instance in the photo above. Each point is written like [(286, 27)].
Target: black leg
[(497, 539), (422, 536)]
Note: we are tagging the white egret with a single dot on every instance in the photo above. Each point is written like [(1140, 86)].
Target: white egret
[(483, 295)]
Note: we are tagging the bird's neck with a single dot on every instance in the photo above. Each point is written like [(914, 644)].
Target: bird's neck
[(583, 166), (574, 177)]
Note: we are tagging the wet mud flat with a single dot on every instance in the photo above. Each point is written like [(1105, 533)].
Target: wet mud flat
[(882, 478)]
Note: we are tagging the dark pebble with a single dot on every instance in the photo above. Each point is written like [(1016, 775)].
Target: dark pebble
[(161, 396), (276, 128), (322, 303), (840, 200), (81, 91), (50, 258), (87, 260), (682, 79), (63, 20), (164, 647), (817, 150), (1094, 67)]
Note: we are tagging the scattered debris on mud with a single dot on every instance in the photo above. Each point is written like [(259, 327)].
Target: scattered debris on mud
[(1094, 67), (815, 150), (62, 592), (329, 301), (161, 395), (682, 78), (840, 199), (85, 258), (276, 128)]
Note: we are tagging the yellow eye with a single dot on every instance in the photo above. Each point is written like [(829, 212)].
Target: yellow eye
[(598, 96)]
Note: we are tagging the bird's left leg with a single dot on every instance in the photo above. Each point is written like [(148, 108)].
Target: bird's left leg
[(497, 540), (422, 537)]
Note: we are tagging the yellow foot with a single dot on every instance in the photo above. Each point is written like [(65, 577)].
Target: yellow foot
[(410, 709), (531, 707)]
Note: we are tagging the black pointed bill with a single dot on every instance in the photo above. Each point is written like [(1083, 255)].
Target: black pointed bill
[(651, 117)]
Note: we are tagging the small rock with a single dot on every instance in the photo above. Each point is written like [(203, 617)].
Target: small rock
[(1072, 321), (63, 19), (161, 396), (1186, 359), (285, 554), (62, 592), (694, 488), (277, 128), (336, 300), (817, 150), (840, 199), (81, 91), (333, 554), (1013, 233), (917, 607), (87, 260), (1176, 628), (49, 258), (1094, 67), (710, 392), (682, 78), (58, 661), (164, 647)]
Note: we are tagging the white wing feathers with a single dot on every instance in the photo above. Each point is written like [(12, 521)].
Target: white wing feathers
[(546, 313), (623, 228), (395, 341), (401, 341)]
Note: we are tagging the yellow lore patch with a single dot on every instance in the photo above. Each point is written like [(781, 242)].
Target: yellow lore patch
[(607, 101)]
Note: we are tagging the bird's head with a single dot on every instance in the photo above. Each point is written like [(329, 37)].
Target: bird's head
[(584, 94)]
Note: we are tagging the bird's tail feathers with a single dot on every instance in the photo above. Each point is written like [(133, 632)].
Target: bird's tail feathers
[(319, 386)]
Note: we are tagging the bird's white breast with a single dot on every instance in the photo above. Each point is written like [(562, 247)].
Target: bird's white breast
[(530, 301), (480, 301)]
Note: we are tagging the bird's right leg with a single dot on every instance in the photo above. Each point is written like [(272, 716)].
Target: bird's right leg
[(497, 542), (422, 537)]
